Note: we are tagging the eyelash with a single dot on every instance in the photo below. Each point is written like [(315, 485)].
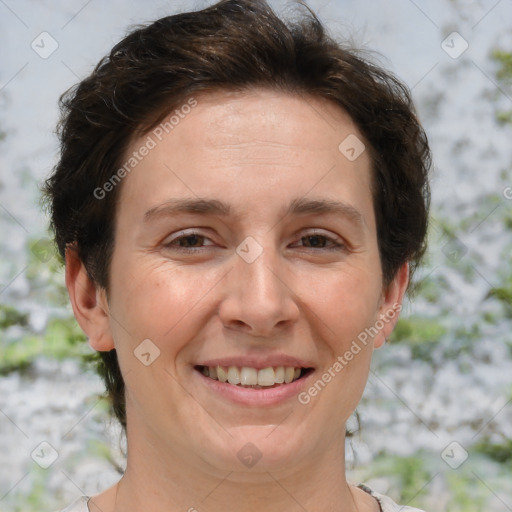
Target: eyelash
[(337, 244)]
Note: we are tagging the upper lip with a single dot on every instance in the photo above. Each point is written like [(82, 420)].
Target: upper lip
[(258, 362)]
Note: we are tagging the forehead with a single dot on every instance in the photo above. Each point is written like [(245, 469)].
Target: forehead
[(249, 145), (258, 116)]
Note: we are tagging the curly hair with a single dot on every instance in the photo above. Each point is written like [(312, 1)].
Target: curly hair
[(233, 45)]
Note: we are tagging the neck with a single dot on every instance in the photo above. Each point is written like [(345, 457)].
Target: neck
[(172, 482)]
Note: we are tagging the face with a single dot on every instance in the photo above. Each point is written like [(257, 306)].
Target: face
[(246, 240)]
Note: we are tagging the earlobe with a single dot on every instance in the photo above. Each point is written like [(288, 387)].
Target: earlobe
[(392, 305), (89, 303)]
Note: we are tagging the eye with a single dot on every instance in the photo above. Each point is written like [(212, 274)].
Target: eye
[(319, 241), (193, 241), (187, 241)]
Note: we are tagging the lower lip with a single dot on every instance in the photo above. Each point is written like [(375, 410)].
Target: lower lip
[(255, 397)]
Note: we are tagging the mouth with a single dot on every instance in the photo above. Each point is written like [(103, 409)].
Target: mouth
[(254, 378)]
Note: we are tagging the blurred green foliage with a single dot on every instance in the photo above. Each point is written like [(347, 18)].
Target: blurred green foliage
[(10, 316), (420, 333), (498, 451), (424, 481), (62, 338), (503, 292), (503, 60), (412, 474)]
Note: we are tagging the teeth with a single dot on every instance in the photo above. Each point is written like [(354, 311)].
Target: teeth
[(221, 374), (233, 375), (266, 377), (289, 372), (247, 376)]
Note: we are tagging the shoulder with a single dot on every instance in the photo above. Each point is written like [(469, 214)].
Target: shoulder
[(386, 503), (79, 505)]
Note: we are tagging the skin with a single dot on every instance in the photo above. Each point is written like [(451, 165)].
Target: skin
[(257, 151)]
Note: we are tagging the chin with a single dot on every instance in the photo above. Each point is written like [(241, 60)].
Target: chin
[(259, 449)]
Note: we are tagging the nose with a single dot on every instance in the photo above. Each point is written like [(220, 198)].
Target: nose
[(258, 297)]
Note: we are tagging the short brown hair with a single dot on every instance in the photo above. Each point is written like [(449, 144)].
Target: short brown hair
[(232, 45)]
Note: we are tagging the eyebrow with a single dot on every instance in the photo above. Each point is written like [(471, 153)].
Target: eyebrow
[(299, 206)]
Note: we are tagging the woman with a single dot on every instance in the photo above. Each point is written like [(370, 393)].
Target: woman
[(240, 204)]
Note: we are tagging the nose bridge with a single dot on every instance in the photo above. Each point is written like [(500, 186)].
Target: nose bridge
[(258, 296), (260, 276)]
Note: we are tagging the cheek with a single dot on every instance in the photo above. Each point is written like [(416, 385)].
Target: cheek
[(345, 302), (160, 302), (347, 308)]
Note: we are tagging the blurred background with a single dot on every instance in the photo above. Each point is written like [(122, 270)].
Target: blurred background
[(434, 428)]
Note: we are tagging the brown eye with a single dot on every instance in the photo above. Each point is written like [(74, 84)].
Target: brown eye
[(316, 241), (188, 241), (319, 241)]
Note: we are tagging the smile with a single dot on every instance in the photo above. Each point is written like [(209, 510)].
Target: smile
[(248, 377)]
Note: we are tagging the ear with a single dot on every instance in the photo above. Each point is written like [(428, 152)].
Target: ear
[(89, 303), (391, 305)]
